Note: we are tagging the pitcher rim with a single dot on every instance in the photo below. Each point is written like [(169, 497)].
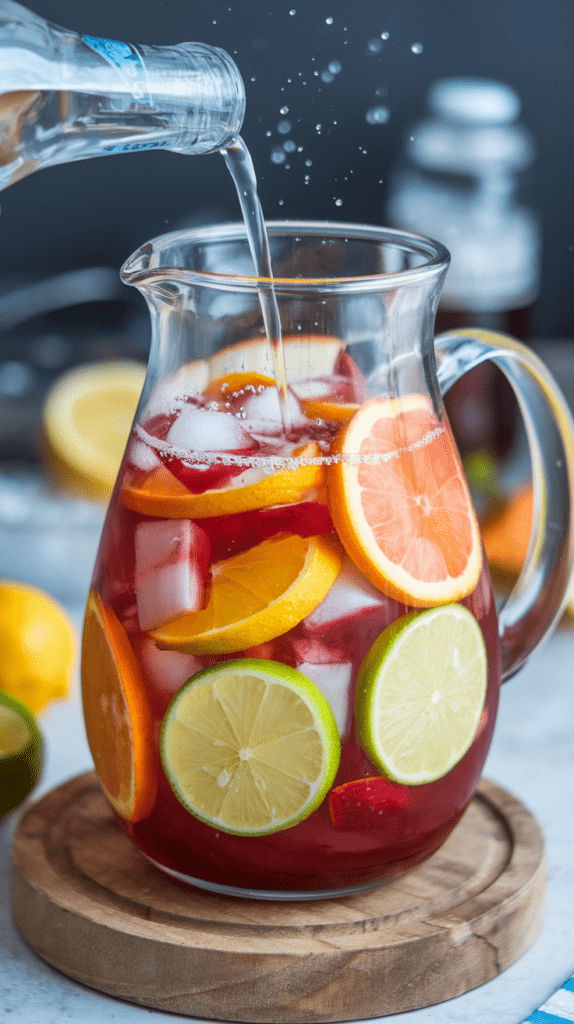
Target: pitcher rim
[(437, 258)]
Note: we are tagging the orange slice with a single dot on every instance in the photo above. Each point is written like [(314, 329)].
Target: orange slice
[(257, 595), (231, 383), (118, 723), (402, 508), (161, 495), (331, 412)]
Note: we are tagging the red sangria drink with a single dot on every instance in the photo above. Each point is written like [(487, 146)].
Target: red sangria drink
[(291, 660)]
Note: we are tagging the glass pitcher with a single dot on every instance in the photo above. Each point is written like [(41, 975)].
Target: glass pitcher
[(292, 655)]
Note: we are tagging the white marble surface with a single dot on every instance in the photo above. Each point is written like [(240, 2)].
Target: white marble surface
[(532, 755)]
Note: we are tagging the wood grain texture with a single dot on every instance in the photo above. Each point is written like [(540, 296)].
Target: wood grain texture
[(93, 907)]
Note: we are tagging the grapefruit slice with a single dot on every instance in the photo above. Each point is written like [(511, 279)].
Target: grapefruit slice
[(401, 504)]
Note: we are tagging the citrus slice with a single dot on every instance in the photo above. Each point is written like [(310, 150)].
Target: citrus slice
[(37, 645), (20, 752), (305, 356), (250, 746), (401, 504), (86, 420), (117, 718), (232, 384), (420, 694), (331, 412), (257, 595), (162, 496)]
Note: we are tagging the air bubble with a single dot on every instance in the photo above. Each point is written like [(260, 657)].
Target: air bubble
[(277, 156), (284, 127), (318, 127), (281, 202), (377, 115), (384, 35), (308, 163), (417, 48), (328, 21), (289, 146), (292, 12), (338, 202), (374, 46), (284, 110), (335, 67)]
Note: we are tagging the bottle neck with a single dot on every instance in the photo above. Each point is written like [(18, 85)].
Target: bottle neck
[(68, 98)]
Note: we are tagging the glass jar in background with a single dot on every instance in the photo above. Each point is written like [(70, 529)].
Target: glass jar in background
[(460, 179)]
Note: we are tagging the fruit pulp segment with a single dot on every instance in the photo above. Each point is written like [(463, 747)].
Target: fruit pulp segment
[(366, 828)]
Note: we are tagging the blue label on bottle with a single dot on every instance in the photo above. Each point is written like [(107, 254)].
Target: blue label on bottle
[(133, 147), (128, 62)]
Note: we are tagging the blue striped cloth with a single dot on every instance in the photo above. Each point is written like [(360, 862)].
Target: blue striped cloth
[(558, 1009)]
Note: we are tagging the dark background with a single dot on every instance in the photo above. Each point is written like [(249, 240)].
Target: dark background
[(98, 212)]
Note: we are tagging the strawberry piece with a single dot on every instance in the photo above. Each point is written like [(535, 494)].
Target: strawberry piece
[(365, 805), (172, 559), (234, 533), (345, 366)]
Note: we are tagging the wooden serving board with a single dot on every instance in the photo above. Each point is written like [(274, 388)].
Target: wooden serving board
[(93, 907)]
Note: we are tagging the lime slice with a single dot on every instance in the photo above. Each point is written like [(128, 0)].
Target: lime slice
[(250, 746), (20, 752), (420, 694)]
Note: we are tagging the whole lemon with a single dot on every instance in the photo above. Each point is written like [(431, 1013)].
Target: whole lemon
[(37, 645)]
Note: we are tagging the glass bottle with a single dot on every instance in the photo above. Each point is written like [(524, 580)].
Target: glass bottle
[(460, 180), (68, 97)]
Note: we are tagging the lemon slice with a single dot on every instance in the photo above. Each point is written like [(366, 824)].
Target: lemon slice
[(420, 694), (250, 746), (257, 595), (87, 419), (20, 752)]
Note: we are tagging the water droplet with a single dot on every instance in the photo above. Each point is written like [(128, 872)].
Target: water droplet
[(307, 179), (281, 202), (289, 146), (374, 46), (299, 149), (384, 35), (284, 127), (338, 202), (284, 110), (377, 115), (308, 163), (253, 78), (335, 67), (417, 48), (269, 134), (277, 155), (316, 74), (329, 21)]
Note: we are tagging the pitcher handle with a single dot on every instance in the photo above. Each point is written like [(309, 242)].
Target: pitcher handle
[(541, 591)]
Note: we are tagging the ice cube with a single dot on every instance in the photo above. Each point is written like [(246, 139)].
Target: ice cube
[(173, 392), (334, 682), (261, 413), (205, 430), (142, 456), (172, 558), (351, 594), (167, 671)]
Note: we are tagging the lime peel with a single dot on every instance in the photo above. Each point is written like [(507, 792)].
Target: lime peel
[(250, 746), (420, 694)]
